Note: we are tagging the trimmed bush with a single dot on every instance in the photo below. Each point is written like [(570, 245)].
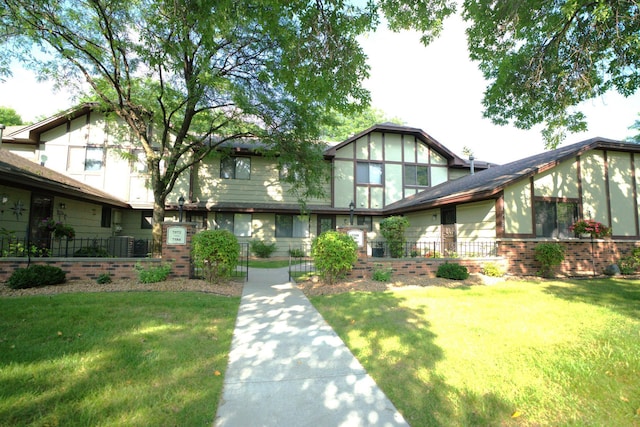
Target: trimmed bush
[(153, 274), (334, 255), (262, 249), (452, 271), (381, 274), (216, 253), (35, 276), (103, 279), (492, 269), (296, 253), (549, 255), (92, 251), (392, 229)]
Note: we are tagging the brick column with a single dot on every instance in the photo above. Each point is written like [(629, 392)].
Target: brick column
[(359, 234), (176, 247)]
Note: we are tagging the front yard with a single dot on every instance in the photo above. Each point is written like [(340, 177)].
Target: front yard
[(514, 353)]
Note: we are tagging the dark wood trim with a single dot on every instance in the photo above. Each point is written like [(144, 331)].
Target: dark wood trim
[(556, 199), (634, 186), (606, 186), (532, 206), (499, 207), (519, 236)]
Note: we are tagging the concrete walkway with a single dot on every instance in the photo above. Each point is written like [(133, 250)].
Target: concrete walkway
[(287, 367)]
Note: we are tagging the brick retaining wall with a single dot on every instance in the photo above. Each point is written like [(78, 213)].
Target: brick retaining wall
[(427, 267)]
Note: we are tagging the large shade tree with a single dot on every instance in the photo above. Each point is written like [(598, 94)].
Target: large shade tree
[(542, 58), (186, 76)]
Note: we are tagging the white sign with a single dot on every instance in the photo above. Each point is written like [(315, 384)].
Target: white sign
[(358, 236), (176, 235)]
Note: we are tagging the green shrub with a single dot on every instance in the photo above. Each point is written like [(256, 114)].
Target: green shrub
[(36, 275), (296, 253), (628, 265), (153, 274), (262, 249), (392, 229), (103, 279), (334, 254), (381, 274), (492, 269), (92, 251), (216, 253), (452, 271), (549, 255)]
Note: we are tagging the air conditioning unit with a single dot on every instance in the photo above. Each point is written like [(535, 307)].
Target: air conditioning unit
[(121, 246)]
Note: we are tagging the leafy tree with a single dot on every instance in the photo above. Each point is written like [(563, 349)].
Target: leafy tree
[(9, 117), (636, 127), (542, 58), (187, 76), (344, 126)]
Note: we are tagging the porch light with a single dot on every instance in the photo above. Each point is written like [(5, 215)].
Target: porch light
[(180, 206), (352, 206)]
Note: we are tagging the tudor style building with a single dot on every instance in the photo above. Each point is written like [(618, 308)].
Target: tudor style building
[(384, 170)]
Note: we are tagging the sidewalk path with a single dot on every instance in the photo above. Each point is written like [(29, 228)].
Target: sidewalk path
[(287, 367)]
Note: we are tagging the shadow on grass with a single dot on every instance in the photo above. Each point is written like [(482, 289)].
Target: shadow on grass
[(619, 295), (397, 347), (102, 359)]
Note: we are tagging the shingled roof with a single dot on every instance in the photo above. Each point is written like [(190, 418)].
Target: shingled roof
[(489, 183), (19, 172)]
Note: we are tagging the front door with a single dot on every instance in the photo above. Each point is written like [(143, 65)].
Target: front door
[(448, 231), (41, 208), (326, 223)]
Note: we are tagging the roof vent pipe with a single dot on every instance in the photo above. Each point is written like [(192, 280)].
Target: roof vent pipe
[(2, 128), (471, 165)]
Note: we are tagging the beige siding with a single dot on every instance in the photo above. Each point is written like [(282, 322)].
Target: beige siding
[(423, 153), (9, 219), (424, 226), (593, 186), (362, 148), (263, 186), (621, 192), (377, 194), (343, 183), (560, 181), (345, 152), (517, 208), (392, 147), (393, 182), (438, 175), (457, 173), (362, 197), (376, 148), (476, 221)]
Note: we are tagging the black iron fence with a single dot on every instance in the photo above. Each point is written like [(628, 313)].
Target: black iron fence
[(300, 262), (112, 247), (435, 249), (242, 269)]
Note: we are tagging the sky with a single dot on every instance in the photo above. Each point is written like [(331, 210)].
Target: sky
[(434, 88)]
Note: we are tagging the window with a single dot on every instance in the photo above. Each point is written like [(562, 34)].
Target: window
[(369, 173), (292, 226), (105, 220), (146, 220), (235, 168), (553, 218), (416, 175), (93, 159), (139, 164), (365, 221), (237, 223)]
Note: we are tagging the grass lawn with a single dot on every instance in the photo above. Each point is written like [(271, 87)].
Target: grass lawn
[(516, 353), (272, 263), (107, 359)]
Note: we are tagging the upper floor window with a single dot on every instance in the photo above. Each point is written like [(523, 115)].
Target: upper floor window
[(292, 226), (235, 168), (369, 173), (416, 175), (553, 218), (93, 159), (237, 223)]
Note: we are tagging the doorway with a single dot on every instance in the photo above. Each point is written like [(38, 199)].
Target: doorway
[(448, 231), (41, 208)]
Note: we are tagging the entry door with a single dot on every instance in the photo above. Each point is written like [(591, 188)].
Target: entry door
[(448, 231), (41, 208), (326, 223)]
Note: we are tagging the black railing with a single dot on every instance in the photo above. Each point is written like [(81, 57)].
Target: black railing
[(242, 269), (108, 247), (435, 249), (300, 262)]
